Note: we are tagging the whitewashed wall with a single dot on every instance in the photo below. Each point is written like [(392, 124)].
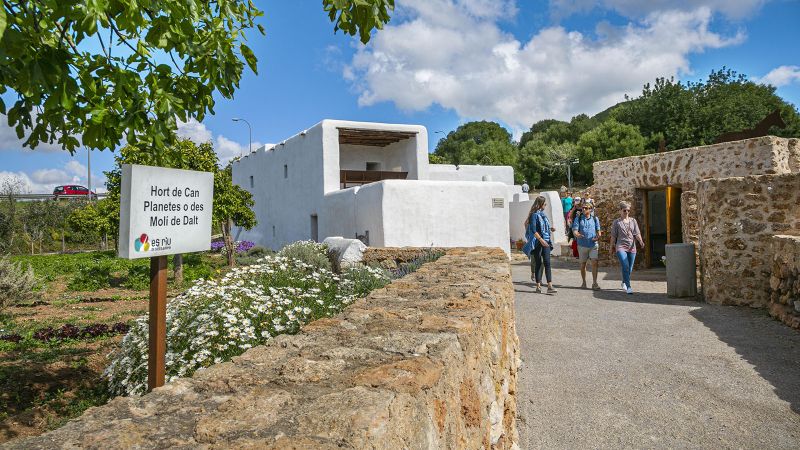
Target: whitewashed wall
[(420, 214), (285, 203), (519, 213), (448, 172), (444, 214)]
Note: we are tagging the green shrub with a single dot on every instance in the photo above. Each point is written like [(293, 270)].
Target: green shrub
[(310, 252), (138, 278), (92, 276), (359, 280), (16, 283), (253, 255), (215, 320)]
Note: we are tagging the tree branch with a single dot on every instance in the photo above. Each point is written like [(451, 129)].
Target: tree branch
[(176, 64), (102, 44), (125, 41), (63, 31)]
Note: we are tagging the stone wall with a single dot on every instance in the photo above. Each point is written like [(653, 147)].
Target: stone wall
[(430, 361), (784, 282), (738, 218), (391, 257), (629, 178)]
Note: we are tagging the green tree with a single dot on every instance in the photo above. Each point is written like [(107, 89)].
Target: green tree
[(109, 71), (695, 113), (467, 142), (610, 140), (38, 219), (545, 164), (9, 189), (481, 143), (96, 219), (232, 206), (557, 131)]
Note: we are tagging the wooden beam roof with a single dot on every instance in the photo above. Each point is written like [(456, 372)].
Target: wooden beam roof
[(375, 138)]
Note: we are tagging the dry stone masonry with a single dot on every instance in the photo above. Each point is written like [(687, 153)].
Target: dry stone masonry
[(738, 219), (735, 197), (430, 361), (784, 282), (629, 178)]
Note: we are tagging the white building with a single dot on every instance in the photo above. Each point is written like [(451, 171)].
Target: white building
[(373, 181)]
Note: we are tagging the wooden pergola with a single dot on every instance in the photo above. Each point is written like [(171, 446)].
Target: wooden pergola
[(374, 138), (350, 178)]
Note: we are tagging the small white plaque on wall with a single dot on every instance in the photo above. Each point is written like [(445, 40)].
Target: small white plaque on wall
[(164, 211), (498, 203)]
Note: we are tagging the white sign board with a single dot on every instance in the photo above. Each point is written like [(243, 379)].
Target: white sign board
[(164, 211)]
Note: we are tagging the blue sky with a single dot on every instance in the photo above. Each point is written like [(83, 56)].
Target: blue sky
[(440, 63)]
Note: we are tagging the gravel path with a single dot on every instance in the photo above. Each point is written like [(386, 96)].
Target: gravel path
[(609, 370)]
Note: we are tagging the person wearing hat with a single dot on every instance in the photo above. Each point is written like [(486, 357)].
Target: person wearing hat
[(566, 203), (573, 212), (586, 228)]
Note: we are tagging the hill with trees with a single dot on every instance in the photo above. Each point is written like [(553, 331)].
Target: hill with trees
[(681, 114)]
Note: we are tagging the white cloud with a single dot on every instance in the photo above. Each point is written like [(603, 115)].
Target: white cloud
[(193, 130), (781, 76), (53, 177), (75, 168), (10, 141), (734, 9), (224, 147), (444, 54), (42, 181)]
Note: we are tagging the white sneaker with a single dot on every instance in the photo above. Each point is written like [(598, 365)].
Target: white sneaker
[(623, 286), (629, 290)]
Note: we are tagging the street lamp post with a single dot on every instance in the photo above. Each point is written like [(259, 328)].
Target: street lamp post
[(569, 170), (250, 128)]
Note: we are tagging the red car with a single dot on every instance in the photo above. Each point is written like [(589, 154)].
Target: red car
[(73, 189)]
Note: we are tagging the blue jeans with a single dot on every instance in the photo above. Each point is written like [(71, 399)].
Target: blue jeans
[(626, 265), (541, 257)]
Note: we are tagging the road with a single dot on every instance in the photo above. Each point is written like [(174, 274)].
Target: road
[(609, 370)]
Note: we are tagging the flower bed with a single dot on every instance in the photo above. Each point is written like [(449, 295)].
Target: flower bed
[(216, 320), (70, 331), (241, 246)]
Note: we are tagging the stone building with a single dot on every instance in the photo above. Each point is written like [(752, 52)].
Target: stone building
[(729, 199)]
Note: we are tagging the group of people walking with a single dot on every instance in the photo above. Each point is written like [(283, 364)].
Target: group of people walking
[(583, 227)]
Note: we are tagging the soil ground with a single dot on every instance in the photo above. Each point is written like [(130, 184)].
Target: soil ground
[(603, 369), (42, 385)]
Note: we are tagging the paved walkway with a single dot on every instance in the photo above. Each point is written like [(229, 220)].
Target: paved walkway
[(608, 370)]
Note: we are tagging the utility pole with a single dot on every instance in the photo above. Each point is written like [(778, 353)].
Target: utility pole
[(89, 171), (569, 170)]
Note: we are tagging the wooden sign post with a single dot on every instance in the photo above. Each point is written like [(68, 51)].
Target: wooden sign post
[(158, 323), (162, 212)]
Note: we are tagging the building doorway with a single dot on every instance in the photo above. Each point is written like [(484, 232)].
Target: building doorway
[(314, 228), (662, 223)]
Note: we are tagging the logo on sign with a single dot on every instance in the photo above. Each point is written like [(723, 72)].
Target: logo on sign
[(141, 244)]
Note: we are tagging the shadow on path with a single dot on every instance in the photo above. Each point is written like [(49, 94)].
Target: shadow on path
[(769, 345)]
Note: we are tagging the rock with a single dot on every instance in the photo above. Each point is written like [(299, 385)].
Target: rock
[(345, 252), (797, 305)]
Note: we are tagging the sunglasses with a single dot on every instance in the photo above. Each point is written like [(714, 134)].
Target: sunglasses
[(587, 207), (626, 210)]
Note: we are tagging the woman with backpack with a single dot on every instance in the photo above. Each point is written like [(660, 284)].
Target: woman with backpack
[(586, 229), (538, 232)]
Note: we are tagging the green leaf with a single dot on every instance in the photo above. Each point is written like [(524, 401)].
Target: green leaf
[(3, 22)]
